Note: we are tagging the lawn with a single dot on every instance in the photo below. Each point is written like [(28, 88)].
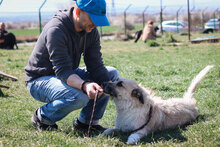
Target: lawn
[(109, 30), (168, 69), (25, 32)]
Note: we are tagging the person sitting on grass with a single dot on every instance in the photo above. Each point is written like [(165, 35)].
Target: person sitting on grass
[(53, 75), (7, 40), (3, 33)]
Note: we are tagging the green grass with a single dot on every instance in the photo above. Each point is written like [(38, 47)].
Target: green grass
[(25, 32), (108, 29), (105, 30), (168, 69), (113, 29)]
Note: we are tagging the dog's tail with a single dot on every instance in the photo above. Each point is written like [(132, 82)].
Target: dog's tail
[(195, 82)]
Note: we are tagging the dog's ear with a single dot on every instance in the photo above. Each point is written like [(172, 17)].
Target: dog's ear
[(138, 94)]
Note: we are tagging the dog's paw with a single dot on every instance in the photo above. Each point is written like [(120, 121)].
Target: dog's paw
[(108, 132), (133, 139)]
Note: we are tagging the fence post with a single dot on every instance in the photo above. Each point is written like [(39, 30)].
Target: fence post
[(40, 15), (188, 20), (143, 15), (177, 15), (161, 17), (125, 19)]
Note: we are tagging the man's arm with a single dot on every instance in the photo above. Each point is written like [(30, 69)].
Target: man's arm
[(62, 63), (74, 81), (90, 88), (93, 58)]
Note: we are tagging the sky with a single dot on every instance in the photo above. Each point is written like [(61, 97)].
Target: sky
[(137, 5)]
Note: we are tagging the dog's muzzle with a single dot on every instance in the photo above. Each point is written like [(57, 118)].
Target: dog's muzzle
[(109, 89)]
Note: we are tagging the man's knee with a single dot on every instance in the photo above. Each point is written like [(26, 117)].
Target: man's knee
[(78, 101), (113, 73)]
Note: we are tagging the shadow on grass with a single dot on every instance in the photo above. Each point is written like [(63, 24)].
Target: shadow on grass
[(174, 135), (166, 135), (81, 133), (5, 96)]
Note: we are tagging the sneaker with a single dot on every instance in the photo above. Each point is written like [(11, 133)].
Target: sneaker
[(77, 125), (40, 126)]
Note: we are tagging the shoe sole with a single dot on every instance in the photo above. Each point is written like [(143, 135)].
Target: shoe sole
[(34, 123), (39, 129)]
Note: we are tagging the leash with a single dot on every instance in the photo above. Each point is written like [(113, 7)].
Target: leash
[(149, 117), (93, 110)]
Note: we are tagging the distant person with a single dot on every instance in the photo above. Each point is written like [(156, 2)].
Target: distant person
[(53, 75), (149, 32), (3, 33), (7, 40)]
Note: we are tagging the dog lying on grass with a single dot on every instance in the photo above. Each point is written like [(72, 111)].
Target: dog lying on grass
[(140, 113)]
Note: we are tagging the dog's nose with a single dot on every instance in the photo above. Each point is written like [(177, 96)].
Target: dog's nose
[(104, 84), (108, 87)]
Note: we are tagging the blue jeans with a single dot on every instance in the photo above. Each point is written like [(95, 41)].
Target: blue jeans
[(62, 99)]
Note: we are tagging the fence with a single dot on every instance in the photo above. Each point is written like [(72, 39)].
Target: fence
[(131, 15), (195, 18)]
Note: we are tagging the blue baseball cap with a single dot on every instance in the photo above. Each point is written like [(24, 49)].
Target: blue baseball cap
[(96, 10)]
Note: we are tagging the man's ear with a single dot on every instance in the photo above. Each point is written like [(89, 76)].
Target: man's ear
[(137, 93), (78, 11)]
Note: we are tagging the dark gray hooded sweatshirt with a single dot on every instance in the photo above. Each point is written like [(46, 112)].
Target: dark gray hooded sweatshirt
[(59, 48)]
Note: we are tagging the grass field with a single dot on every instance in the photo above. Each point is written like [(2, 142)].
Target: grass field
[(30, 35), (106, 30), (168, 69), (25, 32)]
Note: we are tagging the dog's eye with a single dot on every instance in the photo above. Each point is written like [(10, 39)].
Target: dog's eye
[(119, 84)]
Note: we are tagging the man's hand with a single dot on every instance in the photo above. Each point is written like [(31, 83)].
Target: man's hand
[(90, 88)]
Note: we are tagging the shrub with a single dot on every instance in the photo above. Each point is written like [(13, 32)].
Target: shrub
[(152, 43), (170, 38)]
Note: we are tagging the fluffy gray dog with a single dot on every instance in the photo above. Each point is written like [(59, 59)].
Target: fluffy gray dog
[(141, 113)]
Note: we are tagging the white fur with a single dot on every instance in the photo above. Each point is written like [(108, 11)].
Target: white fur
[(133, 138), (131, 114)]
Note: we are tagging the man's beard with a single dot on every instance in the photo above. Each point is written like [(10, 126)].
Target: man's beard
[(83, 27)]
